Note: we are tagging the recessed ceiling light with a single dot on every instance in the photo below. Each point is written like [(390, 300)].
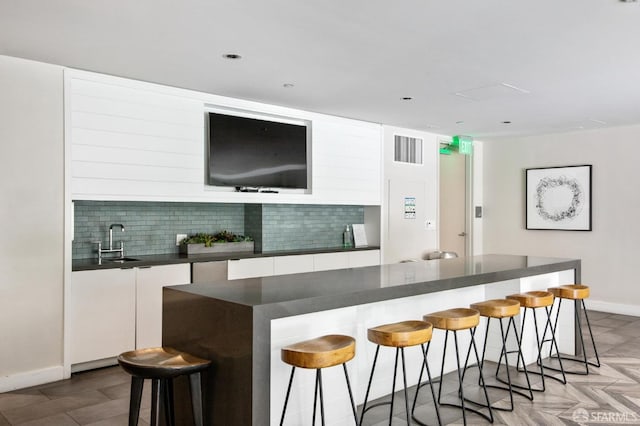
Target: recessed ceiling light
[(506, 122), (231, 56), (407, 98), (288, 85)]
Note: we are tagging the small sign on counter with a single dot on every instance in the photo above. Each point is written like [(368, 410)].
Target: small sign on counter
[(359, 236)]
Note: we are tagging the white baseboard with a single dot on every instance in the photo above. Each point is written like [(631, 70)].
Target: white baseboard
[(31, 378), (612, 308)]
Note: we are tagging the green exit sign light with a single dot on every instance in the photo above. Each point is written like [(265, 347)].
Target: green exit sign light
[(464, 144)]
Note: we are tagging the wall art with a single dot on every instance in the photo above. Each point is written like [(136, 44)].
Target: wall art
[(559, 198)]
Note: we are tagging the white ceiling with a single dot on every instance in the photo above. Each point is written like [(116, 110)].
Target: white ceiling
[(545, 65)]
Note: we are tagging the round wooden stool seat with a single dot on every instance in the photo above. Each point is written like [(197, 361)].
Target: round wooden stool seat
[(454, 319), (571, 291), (533, 299), (497, 308), (160, 363), (321, 352), (401, 334)]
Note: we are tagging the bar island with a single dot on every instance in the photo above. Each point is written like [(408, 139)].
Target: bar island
[(242, 324)]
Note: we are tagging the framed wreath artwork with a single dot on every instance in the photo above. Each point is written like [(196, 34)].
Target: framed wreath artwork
[(559, 198)]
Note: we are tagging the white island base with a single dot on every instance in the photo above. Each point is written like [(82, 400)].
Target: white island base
[(355, 320)]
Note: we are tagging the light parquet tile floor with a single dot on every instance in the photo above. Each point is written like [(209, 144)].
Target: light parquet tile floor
[(609, 395)]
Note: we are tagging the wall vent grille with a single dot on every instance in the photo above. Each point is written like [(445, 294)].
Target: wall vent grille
[(407, 149)]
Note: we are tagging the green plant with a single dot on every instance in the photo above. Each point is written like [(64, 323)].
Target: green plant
[(220, 237)]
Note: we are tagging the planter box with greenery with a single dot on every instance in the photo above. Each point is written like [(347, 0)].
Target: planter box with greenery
[(221, 242)]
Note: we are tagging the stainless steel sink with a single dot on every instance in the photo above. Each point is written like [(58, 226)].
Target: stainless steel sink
[(121, 259)]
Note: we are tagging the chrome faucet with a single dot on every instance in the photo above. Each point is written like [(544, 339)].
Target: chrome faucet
[(120, 250), (111, 236)]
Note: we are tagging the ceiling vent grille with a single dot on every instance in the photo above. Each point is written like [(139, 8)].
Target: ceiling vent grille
[(407, 149)]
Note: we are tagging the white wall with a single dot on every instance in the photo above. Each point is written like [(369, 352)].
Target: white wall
[(415, 242), (132, 140), (610, 252), (31, 250)]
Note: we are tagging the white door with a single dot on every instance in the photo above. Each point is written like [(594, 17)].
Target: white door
[(453, 232)]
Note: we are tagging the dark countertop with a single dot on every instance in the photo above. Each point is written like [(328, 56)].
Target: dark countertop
[(170, 259), (229, 322), (314, 291)]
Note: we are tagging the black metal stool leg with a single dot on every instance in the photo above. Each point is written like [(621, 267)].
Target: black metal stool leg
[(366, 397), (593, 342), (196, 398), (425, 366), (319, 374), (135, 400), (353, 404), (444, 353), (554, 343), (406, 394), (393, 386), (286, 398)]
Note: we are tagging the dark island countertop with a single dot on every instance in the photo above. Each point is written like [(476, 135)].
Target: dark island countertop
[(229, 322), (175, 258), (314, 291)]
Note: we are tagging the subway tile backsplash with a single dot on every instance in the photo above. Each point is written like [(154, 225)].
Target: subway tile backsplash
[(302, 226), (151, 227)]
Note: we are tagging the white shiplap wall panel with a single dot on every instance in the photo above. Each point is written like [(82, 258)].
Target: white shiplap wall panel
[(100, 138), (115, 171), (134, 143), (142, 94), (134, 126), (113, 189), (127, 156), (139, 111), (140, 141), (347, 161)]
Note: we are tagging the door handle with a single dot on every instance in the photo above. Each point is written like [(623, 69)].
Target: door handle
[(462, 234)]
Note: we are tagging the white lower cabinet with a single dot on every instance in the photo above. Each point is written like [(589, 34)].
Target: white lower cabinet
[(283, 265), (250, 268), (116, 310), (295, 264), (149, 283), (330, 261), (103, 314), (362, 258)]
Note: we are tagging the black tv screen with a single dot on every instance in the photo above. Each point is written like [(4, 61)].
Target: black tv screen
[(256, 153)]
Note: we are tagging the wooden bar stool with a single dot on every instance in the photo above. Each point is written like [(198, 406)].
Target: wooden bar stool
[(161, 365), (455, 320), (577, 293), (321, 352), (531, 301), (500, 309), (400, 335)]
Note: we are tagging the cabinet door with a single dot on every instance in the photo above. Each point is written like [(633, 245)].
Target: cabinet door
[(330, 261), (103, 314), (364, 258), (149, 283), (293, 264), (208, 272), (250, 268)]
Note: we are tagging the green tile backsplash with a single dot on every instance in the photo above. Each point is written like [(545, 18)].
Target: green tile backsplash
[(303, 226), (151, 227)]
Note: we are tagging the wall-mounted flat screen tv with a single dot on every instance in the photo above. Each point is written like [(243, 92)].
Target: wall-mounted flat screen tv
[(252, 152)]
